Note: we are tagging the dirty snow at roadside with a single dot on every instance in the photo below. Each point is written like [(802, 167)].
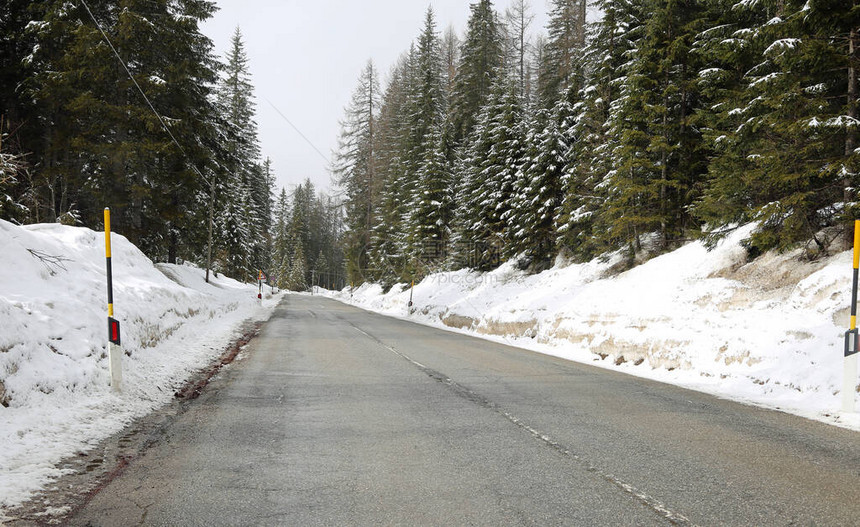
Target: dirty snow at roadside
[(54, 380), (769, 332)]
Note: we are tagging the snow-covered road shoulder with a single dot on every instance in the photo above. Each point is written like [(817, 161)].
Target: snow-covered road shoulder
[(767, 332), (54, 380)]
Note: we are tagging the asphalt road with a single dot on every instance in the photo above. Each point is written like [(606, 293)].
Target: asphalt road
[(337, 416)]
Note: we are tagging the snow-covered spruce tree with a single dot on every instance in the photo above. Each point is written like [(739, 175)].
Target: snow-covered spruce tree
[(507, 129), (240, 233), (298, 280), (591, 161), (19, 200), (259, 209), (786, 141), (354, 168), (264, 200), (430, 211), (481, 58), (386, 251), (281, 242), (464, 187), (538, 193), (521, 214), (102, 144), (425, 171), (427, 96), (412, 108), (491, 165), (561, 58), (660, 157), (728, 51)]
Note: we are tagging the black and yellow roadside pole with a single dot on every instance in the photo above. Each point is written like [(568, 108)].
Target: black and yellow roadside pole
[(114, 346), (849, 378)]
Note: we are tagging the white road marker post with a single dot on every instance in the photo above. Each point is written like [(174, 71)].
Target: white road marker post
[(114, 346), (849, 375)]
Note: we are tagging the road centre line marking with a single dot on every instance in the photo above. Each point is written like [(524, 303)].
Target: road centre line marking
[(653, 503)]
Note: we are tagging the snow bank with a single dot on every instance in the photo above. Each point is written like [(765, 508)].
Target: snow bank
[(54, 380), (767, 332)]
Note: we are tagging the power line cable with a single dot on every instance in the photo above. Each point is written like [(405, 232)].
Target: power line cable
[(308, 141)]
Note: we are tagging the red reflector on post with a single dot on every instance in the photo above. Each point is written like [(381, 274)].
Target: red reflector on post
[(113, 330)]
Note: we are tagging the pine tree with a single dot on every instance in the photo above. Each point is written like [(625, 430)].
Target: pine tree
[(425, 174), (660, 157), (789, 133), (594, 131), (281, 248), (355, 169), (491, 164), (427, 103), (430, 217), (539, 185), (100, 142), (519, 18), (561, 60), (450, 58), (241, 235), (480, 60), (298, 273)]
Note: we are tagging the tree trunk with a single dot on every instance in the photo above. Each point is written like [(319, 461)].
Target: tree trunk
[(211, 221), (664, 174), (851, 130), (49, 168), (583, 7), (171, 248)]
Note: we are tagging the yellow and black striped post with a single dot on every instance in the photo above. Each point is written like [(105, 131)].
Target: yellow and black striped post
[(114, 345), (849, 379), (107, 259)]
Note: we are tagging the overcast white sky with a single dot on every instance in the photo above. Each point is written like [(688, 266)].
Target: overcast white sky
[(306, 56)]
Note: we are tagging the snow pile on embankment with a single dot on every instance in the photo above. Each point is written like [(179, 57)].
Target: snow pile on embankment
[(767, 332), (54, 380)]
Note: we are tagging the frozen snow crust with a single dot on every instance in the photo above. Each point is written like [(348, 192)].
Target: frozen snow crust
[(767, 332), (53, 328)]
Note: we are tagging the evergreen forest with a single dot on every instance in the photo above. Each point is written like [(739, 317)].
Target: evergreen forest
[(635, 130), (629, 126), (123, 104)]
